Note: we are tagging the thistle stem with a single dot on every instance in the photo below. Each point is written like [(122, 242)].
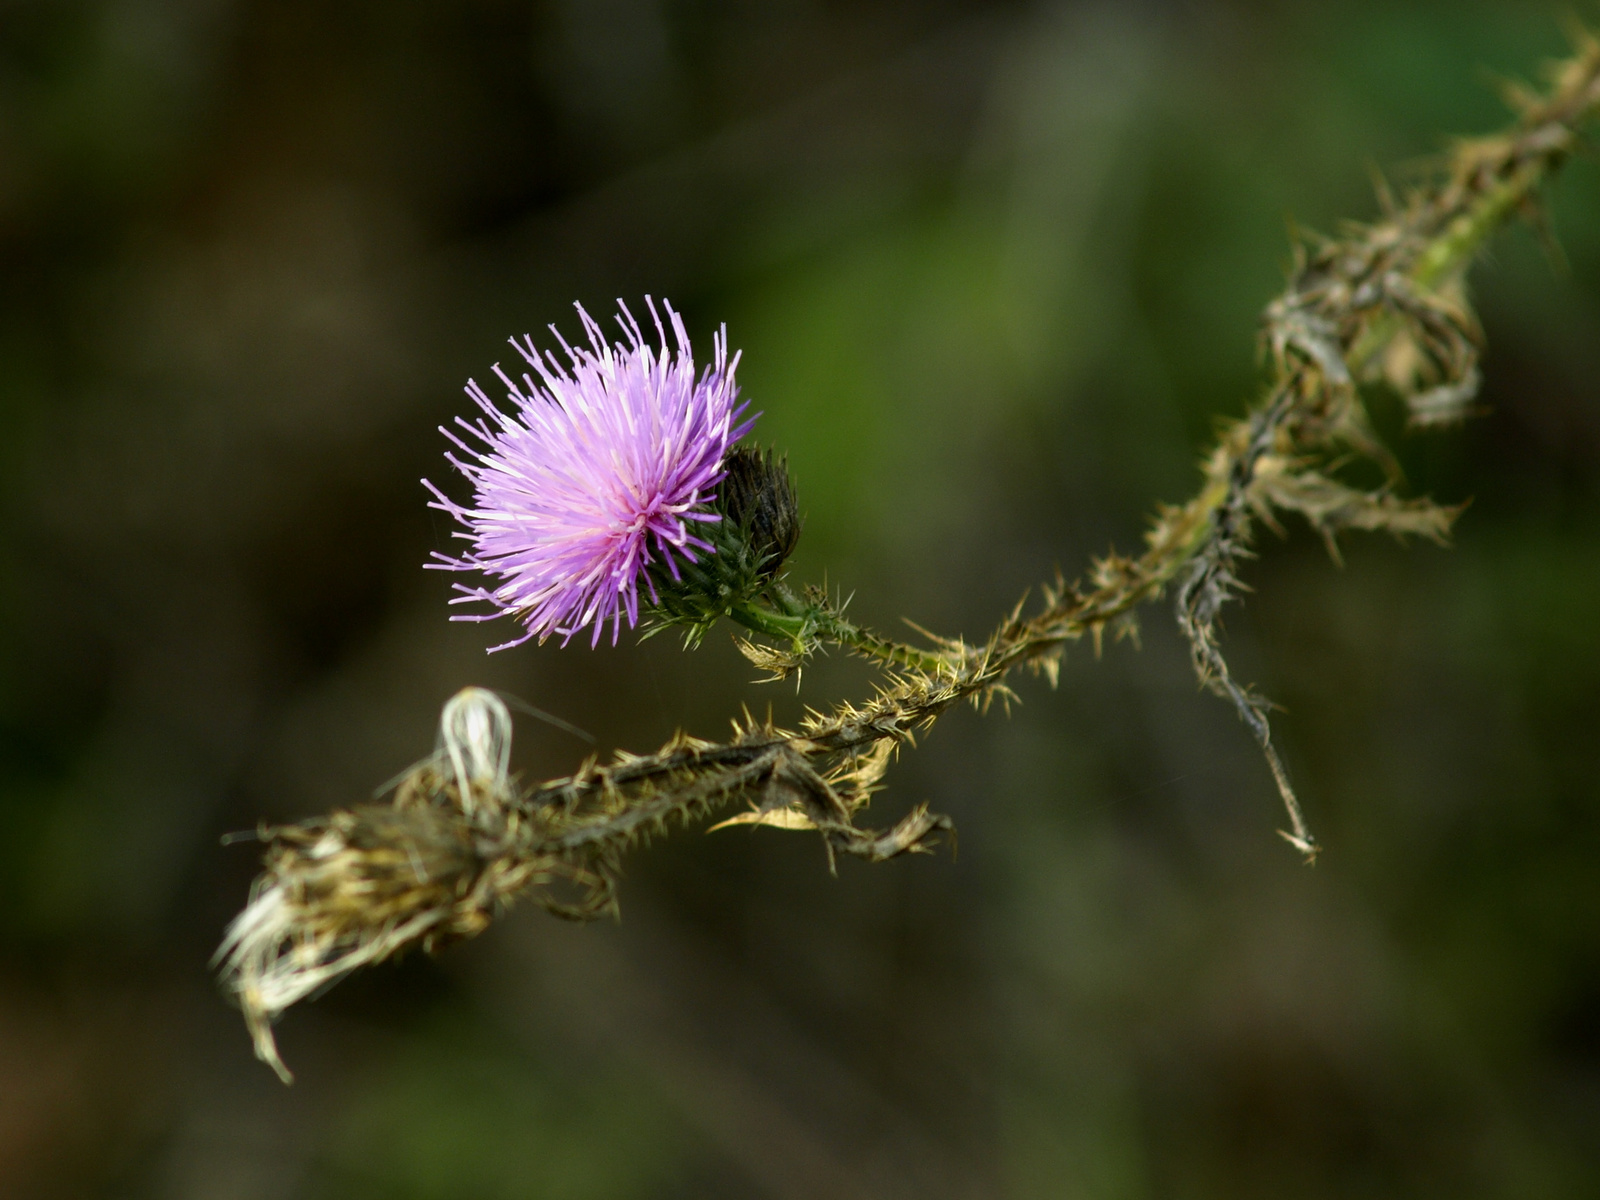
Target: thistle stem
[(1471, 209), (455, 847), (804, 622)]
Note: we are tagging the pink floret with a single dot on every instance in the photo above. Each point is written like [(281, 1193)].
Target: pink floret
[(602, 467)]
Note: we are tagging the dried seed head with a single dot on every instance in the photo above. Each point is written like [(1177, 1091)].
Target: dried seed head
[(364, 884), (341, 893), (475, 744)]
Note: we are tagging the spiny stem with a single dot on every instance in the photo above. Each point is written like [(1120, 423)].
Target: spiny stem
[(451, 850), (1324, 341), (804, 622)]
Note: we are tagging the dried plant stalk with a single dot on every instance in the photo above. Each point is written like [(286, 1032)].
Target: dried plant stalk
[(461, 839)]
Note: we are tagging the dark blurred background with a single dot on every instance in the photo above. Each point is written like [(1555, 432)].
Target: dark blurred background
[(995, 269)]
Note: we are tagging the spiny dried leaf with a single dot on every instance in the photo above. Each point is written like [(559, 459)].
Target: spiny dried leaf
[(1444, 405), (772, 818), (778, 662), (1330, 506)]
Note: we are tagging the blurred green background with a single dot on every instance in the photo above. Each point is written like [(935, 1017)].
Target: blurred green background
[(995, 269)]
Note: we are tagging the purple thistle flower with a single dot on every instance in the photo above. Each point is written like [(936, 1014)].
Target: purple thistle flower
[(598, 472)]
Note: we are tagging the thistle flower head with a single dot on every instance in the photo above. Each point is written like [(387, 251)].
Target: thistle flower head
[(605, 467)]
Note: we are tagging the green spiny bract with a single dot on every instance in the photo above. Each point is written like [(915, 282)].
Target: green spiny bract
[(758, 496), (759, 529)]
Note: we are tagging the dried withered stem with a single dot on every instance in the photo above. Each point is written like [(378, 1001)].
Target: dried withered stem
[(1381, 300), (461, 838)]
